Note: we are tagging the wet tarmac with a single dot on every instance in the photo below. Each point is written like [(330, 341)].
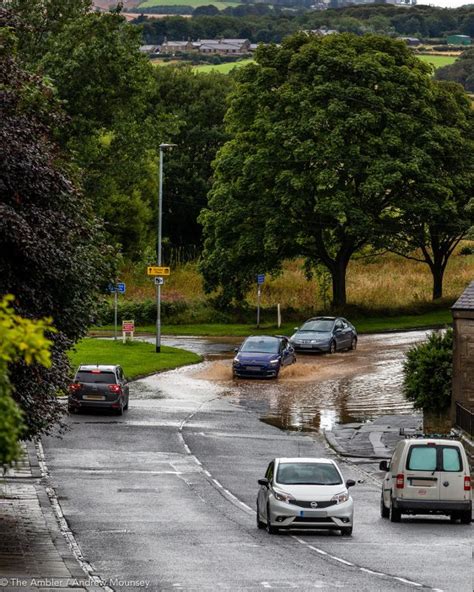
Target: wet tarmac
[(318, 391)]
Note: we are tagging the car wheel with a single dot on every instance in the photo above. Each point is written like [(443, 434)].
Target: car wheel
[(394, 513), (384, 511), (72, 409), (260, 524), (332, 347), (465, 517), (346, 531), (354, 343), (126, 405), (120, 410), (271, 529)]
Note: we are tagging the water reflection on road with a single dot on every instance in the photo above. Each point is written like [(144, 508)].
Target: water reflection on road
[(319, 390)]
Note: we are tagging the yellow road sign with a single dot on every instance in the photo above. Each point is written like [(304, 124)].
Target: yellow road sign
[(158, 270)]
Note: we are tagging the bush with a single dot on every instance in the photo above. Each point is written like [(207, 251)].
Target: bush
[(428, 373), (466, 250)]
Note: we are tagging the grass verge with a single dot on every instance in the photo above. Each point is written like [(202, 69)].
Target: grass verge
[(436, 318), (136, 358)]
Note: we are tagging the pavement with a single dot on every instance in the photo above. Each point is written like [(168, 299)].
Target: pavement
[(34, 553), (372, 440)]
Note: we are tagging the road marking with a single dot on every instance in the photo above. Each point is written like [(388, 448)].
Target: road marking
[(239, 503), (64, 526)]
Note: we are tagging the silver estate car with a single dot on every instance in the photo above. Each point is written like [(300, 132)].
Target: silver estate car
[(324, 334), (302, 493)]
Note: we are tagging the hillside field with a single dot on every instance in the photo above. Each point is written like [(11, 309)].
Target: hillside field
[(438, 61), (193, 3)]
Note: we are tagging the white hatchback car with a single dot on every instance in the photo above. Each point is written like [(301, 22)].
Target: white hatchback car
[(304, 493)]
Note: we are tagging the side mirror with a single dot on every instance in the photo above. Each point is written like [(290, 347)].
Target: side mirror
[(263, 482), (383, 465), (236, 349), (296, 328), (350, 483)]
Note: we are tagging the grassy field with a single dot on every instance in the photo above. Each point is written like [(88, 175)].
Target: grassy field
[(192, 3), (438, 61), (136, 358), (382, 283), (221, 68)]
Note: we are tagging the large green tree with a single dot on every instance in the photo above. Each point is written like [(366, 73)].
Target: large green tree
[(326, 133), (52, 258), (105, 85), (436, 209)]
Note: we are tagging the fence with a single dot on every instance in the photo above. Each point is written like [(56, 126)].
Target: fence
[(464, 419)]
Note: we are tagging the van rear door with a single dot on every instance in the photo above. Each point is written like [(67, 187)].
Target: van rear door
[(453, 472), (422, 478)]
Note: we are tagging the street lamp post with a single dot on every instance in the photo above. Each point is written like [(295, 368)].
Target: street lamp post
[(160, 209)]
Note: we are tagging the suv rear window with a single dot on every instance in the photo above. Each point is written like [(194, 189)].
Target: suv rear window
[(434, 458), (97, 377)]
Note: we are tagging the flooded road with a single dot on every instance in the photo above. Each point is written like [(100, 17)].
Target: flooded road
[(319, 390)]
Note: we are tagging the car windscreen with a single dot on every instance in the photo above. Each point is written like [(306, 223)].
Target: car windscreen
[(319, 326), (94, 376), (262, 346), (308, 474)]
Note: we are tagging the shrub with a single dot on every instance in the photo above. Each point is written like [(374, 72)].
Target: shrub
[(466, 250), (428, 372)]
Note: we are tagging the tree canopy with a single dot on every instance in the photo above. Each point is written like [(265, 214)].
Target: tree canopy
[(327, 135), (52, 256)]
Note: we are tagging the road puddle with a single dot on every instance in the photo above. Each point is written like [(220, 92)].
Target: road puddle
[(321, 390)]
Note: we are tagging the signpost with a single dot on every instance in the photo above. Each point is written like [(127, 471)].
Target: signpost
[(119, 287), (128, 328), (260, 281), (159, 281)]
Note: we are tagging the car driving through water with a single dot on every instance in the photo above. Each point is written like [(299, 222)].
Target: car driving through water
[(325, 334), (262, 356)]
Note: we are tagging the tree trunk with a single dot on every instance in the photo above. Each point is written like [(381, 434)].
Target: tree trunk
[(338, 275), (438, 272)]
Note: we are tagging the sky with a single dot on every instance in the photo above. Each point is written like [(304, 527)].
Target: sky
[(446, 3)]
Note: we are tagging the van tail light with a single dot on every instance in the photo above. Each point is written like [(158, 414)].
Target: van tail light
[(467, 483), (400, 481), (115, 388), (74, 387)]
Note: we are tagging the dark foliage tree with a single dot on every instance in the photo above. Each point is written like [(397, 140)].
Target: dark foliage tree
[(461, 71), (196, 103), (52, 258), (326, 131)]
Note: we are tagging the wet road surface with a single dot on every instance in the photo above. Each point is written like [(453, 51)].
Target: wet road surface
[(166, 493)]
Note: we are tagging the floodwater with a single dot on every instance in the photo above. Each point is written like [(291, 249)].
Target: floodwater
[(319, 390)]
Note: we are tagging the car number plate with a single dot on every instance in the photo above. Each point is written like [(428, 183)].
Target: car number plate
[(253, 368), (308, 345), (94, 397), (314, 514)]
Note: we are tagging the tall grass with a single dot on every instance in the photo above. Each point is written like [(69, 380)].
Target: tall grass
[(378, 283)]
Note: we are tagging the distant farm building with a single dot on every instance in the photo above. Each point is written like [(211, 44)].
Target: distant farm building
[(458, 40)]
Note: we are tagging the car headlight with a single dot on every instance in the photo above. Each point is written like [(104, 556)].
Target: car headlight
[(281, 496), (340, 498), (277, 361), (236, 360)]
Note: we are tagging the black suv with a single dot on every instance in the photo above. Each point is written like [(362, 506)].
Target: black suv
[(99, 387)]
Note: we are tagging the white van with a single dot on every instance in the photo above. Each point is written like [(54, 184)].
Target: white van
[(427, 476)]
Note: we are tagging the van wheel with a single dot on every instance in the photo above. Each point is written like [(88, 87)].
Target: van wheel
[(394, 513), (465, 517), (332, 347), (346, 531), (384, 511)]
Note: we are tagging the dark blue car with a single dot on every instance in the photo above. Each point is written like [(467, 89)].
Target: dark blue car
[(263, 356)]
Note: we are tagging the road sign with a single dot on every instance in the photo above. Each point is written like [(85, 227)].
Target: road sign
[(121, 288), (260, 278), (159, 281), (128, 326), (153, 270)]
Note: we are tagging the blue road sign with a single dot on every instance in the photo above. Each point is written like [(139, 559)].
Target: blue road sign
[(121, 288), (111, 288), (260, 278)]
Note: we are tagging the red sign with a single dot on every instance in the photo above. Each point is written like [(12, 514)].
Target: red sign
[(128, 326)]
